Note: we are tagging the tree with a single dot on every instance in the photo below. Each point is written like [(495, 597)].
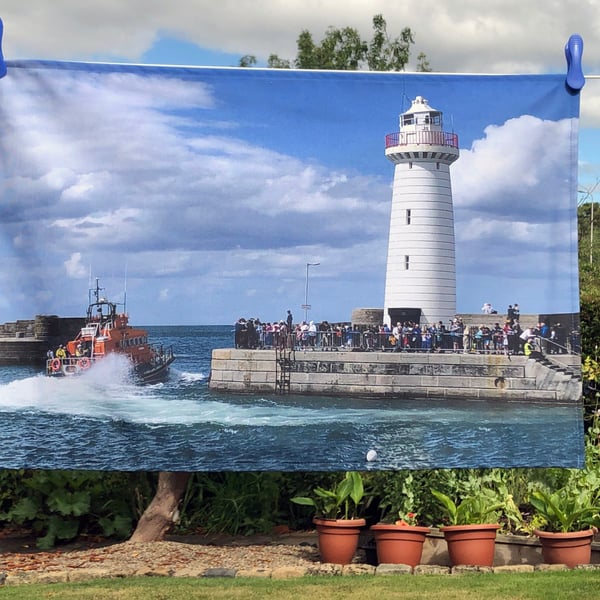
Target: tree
[(423, 64), (275, 62), (248, 60), (589, 284), (385, 54), (163, 512), (345, 50), (340, 49)]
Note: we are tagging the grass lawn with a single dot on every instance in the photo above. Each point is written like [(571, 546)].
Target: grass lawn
[(540, 585)]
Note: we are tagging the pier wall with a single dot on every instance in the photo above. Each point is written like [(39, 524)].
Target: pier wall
[(25, 342), (410, 375)]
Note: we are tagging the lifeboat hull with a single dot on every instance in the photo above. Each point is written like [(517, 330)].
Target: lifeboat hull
[(149, 374)]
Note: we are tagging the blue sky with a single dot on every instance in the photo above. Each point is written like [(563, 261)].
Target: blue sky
[(168, 50), (210, 189)]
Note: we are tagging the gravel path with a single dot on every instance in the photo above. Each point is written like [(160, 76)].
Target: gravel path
[(185, 556)]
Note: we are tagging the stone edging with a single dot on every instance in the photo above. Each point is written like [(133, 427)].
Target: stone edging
[(323, 569)]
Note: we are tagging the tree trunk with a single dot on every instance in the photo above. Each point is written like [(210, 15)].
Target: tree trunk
[(163, 512)]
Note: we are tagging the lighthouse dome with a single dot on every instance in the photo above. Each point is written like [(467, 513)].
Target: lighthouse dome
[(421, 115), (419, 105)]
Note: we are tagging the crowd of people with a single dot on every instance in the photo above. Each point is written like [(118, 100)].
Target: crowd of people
[(255, 334), (503, 337)]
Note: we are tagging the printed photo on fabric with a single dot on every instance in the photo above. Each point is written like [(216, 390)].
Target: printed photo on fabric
[(212, 269)]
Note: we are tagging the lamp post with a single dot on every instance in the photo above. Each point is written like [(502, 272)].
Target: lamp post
[(306, 305)]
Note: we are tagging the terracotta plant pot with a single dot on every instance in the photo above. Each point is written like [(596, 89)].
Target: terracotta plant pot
[(471, 544), (571, 549), (338, 539), (399, 544)]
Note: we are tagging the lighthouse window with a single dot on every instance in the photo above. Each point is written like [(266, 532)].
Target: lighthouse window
[(437, 166), (408, 216), (408, 119), (406, 262)]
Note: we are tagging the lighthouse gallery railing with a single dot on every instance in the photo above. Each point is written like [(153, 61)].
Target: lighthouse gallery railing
[(431, 138)]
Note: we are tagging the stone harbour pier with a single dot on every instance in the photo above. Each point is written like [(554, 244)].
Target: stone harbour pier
[(25, 342), (397, 374)]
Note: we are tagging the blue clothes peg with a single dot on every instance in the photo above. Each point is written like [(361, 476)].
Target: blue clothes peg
[(2, 63), (573, 53)]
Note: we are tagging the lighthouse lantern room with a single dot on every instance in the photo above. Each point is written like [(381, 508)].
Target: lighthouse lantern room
[(421, 272)]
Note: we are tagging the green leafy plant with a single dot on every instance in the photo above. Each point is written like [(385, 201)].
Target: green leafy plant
[(342, 501), (471, 510), (407, 519), (60, 505), (566, 509), (235, 503)]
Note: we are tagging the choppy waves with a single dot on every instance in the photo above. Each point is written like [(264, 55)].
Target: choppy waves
[(103, 420)]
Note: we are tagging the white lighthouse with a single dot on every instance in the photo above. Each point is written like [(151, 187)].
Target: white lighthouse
[(420, 281)]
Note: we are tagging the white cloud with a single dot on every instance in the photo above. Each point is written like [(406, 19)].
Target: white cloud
[(160, 190), (85, 187), (590, 104), (58, 178), (516, 169), (511, 209), (73, 266)]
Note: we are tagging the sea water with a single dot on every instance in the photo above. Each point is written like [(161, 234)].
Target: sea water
[(104, 421)]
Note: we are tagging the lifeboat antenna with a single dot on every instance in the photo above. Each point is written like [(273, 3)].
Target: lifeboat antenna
[(96, 291), (125, 292)]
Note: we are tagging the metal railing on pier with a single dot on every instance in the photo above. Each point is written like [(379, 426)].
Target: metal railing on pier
[(437, 341)]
